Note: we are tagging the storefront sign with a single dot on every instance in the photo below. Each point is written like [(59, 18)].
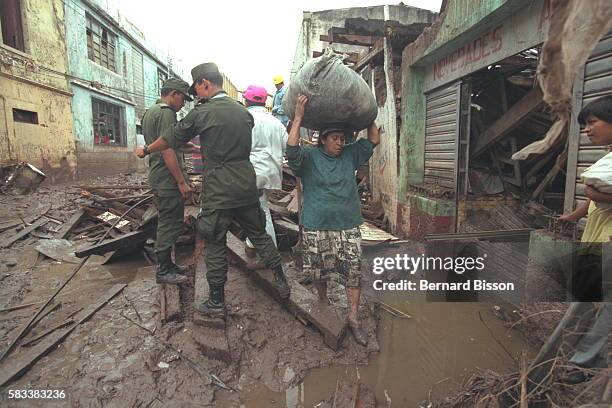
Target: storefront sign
[(525, 29)]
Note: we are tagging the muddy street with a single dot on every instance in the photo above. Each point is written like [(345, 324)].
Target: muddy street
[(271, 359)]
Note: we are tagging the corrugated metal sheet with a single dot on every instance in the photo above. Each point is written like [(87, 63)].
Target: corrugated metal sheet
[(597, 83), (138, 74), (441, 130)]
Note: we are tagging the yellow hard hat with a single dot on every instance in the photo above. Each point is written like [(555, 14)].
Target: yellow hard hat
[(278, 79)]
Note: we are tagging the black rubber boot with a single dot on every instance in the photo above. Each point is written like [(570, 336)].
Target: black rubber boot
[(215, 304), (179, 270), (281, 284), (165, 273)]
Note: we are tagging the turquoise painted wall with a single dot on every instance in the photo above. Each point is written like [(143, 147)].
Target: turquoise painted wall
[(117, 86)]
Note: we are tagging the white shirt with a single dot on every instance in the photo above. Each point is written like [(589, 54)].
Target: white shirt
[(268, 142)]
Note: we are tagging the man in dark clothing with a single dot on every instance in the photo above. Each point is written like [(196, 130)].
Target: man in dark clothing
[(166, 178), (229, 190)]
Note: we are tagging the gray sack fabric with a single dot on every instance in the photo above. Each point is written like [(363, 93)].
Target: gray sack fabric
[(338, 96)]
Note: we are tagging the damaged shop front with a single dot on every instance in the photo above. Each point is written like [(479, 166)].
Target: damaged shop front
[(475, 106)]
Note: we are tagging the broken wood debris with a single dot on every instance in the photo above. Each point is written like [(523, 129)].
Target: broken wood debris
[(11, 369), (26, 327), (11, 240)]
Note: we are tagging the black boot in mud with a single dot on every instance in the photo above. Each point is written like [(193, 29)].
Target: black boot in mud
[(215, 305), (165, 273)]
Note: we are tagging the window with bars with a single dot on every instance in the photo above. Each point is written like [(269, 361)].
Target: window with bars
[(108, 123), (101, 43)]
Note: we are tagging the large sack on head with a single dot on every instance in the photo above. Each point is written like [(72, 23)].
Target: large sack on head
[(337, 95)]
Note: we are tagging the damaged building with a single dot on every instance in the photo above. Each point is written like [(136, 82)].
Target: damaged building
[(114, 76), (35, 120)]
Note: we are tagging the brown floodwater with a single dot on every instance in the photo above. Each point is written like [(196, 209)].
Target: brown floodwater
[(423, 358)]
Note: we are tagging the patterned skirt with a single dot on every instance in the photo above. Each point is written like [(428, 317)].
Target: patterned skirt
[(333, 255)]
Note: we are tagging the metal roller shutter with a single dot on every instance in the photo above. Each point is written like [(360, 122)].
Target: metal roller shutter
[(595, 82), (441, 130)]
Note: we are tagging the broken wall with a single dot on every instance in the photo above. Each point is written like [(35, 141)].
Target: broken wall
[(32, 82)]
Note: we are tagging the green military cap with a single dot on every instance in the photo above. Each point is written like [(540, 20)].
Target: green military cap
[(177, 84), (200, 71)]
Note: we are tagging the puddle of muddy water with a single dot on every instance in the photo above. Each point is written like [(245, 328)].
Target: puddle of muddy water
[(426, 357)]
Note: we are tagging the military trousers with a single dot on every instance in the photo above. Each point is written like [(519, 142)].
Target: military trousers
[(213, 225), (170, 209)]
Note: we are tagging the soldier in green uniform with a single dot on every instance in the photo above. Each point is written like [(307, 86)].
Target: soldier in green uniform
[(167, 178), (229, 190)]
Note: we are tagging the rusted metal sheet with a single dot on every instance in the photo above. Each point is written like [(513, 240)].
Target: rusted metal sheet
[(525, 29), (441, 130), (592, 83)]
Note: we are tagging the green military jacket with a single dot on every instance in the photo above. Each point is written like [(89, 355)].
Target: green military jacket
[(224, 127), (157, 120)]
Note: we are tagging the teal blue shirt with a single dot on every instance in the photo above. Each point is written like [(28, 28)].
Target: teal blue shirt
[(331, 200)]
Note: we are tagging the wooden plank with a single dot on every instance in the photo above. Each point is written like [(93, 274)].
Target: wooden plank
[(71, 224), (12, 369), (132, 240), (11, 240), (508, 121), (170, 296), (288, 226), (302, 303), (350, 39), (279, 209), (550, 176), (365, 60)]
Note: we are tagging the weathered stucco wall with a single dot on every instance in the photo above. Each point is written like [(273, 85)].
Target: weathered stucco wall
[(33, 80), (46, 144)]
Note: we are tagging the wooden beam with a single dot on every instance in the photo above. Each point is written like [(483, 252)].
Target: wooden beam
[(302, 303), (170, 302), (15, 367), (550, 176), (508, 121), (11, 240), (71, 224), (131, 240), (365, 60), (349, 39)]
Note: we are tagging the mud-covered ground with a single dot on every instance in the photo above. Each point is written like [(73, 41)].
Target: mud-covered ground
[(109, 361)]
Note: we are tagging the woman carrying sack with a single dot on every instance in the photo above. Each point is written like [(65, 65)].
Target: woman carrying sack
[(331, 213)]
